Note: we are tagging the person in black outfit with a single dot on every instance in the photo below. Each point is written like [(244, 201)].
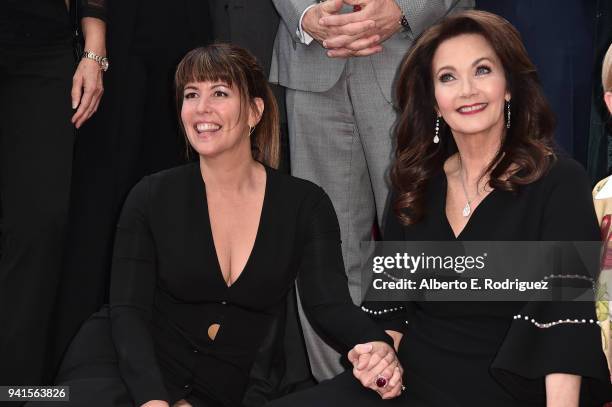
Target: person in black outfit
[(44, 95), (135, 133), (206, 253), (475, 161)]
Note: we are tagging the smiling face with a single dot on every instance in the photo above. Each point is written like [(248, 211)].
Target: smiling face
[(214, 121), (470, 85)]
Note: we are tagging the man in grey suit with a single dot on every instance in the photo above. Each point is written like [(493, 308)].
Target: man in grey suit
[(338, 60)]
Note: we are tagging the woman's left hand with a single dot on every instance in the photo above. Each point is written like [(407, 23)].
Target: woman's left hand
[(86, 91)]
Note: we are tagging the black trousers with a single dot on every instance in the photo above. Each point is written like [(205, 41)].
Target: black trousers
[(344, 391), (90, 369), (36, 145)]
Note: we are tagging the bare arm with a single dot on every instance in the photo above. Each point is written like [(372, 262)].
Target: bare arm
[(155, 403), (562, 390)]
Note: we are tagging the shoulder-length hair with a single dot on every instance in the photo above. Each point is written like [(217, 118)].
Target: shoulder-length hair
[(528, 144), (239, 69)]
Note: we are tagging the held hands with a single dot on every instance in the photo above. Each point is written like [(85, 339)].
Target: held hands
[(373, 361), (359, 33), (86, 91)]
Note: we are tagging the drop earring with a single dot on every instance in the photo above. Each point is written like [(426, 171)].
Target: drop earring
[(436, 138), (507, 114)]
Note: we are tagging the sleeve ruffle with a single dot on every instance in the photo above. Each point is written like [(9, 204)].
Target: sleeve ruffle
[(553, 337)]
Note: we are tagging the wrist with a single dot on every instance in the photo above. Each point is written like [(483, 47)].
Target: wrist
[(101, 60), (96, 48), (311, 19), (399, 18), (94, 32)]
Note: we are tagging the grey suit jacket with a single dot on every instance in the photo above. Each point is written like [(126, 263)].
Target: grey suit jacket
[(307, 67)]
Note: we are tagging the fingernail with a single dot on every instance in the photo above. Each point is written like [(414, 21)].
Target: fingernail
[(74, 104), (324, 44)]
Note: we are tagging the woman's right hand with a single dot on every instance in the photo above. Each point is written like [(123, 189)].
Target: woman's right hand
[(155, 403), (374, 360)]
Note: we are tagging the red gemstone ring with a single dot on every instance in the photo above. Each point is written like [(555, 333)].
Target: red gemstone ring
[(357, 8), (381, 382)]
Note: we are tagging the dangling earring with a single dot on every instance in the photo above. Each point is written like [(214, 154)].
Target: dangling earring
[(507, 114), (251, 130), (436, 138)]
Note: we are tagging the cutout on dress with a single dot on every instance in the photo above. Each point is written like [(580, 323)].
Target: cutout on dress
[(212, 331)]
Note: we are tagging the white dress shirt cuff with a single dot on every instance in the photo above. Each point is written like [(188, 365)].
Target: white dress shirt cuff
[(304, 37)]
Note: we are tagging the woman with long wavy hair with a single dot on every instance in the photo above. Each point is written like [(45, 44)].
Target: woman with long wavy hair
[(475, 161)]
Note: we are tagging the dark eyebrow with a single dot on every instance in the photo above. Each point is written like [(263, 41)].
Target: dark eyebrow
[(479, 60), (214, 86)]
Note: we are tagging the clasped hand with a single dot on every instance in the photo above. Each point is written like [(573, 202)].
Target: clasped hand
[(373, 360), (359, 33)]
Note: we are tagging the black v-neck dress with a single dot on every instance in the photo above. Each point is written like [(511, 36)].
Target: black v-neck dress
[(167, 288), (477, 353)]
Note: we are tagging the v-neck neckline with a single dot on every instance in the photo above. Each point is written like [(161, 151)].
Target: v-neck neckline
[(262, 217), (474, 212)]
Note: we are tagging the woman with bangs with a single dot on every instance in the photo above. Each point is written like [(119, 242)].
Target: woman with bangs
[(206, 255), (475, 161)]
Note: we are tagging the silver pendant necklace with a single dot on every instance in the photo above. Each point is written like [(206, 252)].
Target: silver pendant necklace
[(467, 209)]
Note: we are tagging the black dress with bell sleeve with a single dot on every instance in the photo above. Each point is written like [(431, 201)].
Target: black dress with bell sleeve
[(498, 353)]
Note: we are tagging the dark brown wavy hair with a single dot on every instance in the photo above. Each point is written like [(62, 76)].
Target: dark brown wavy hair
[(239, 69), (528, 144)]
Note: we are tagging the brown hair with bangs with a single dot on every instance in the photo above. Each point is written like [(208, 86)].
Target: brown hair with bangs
[(239, 69), (527, 145)]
